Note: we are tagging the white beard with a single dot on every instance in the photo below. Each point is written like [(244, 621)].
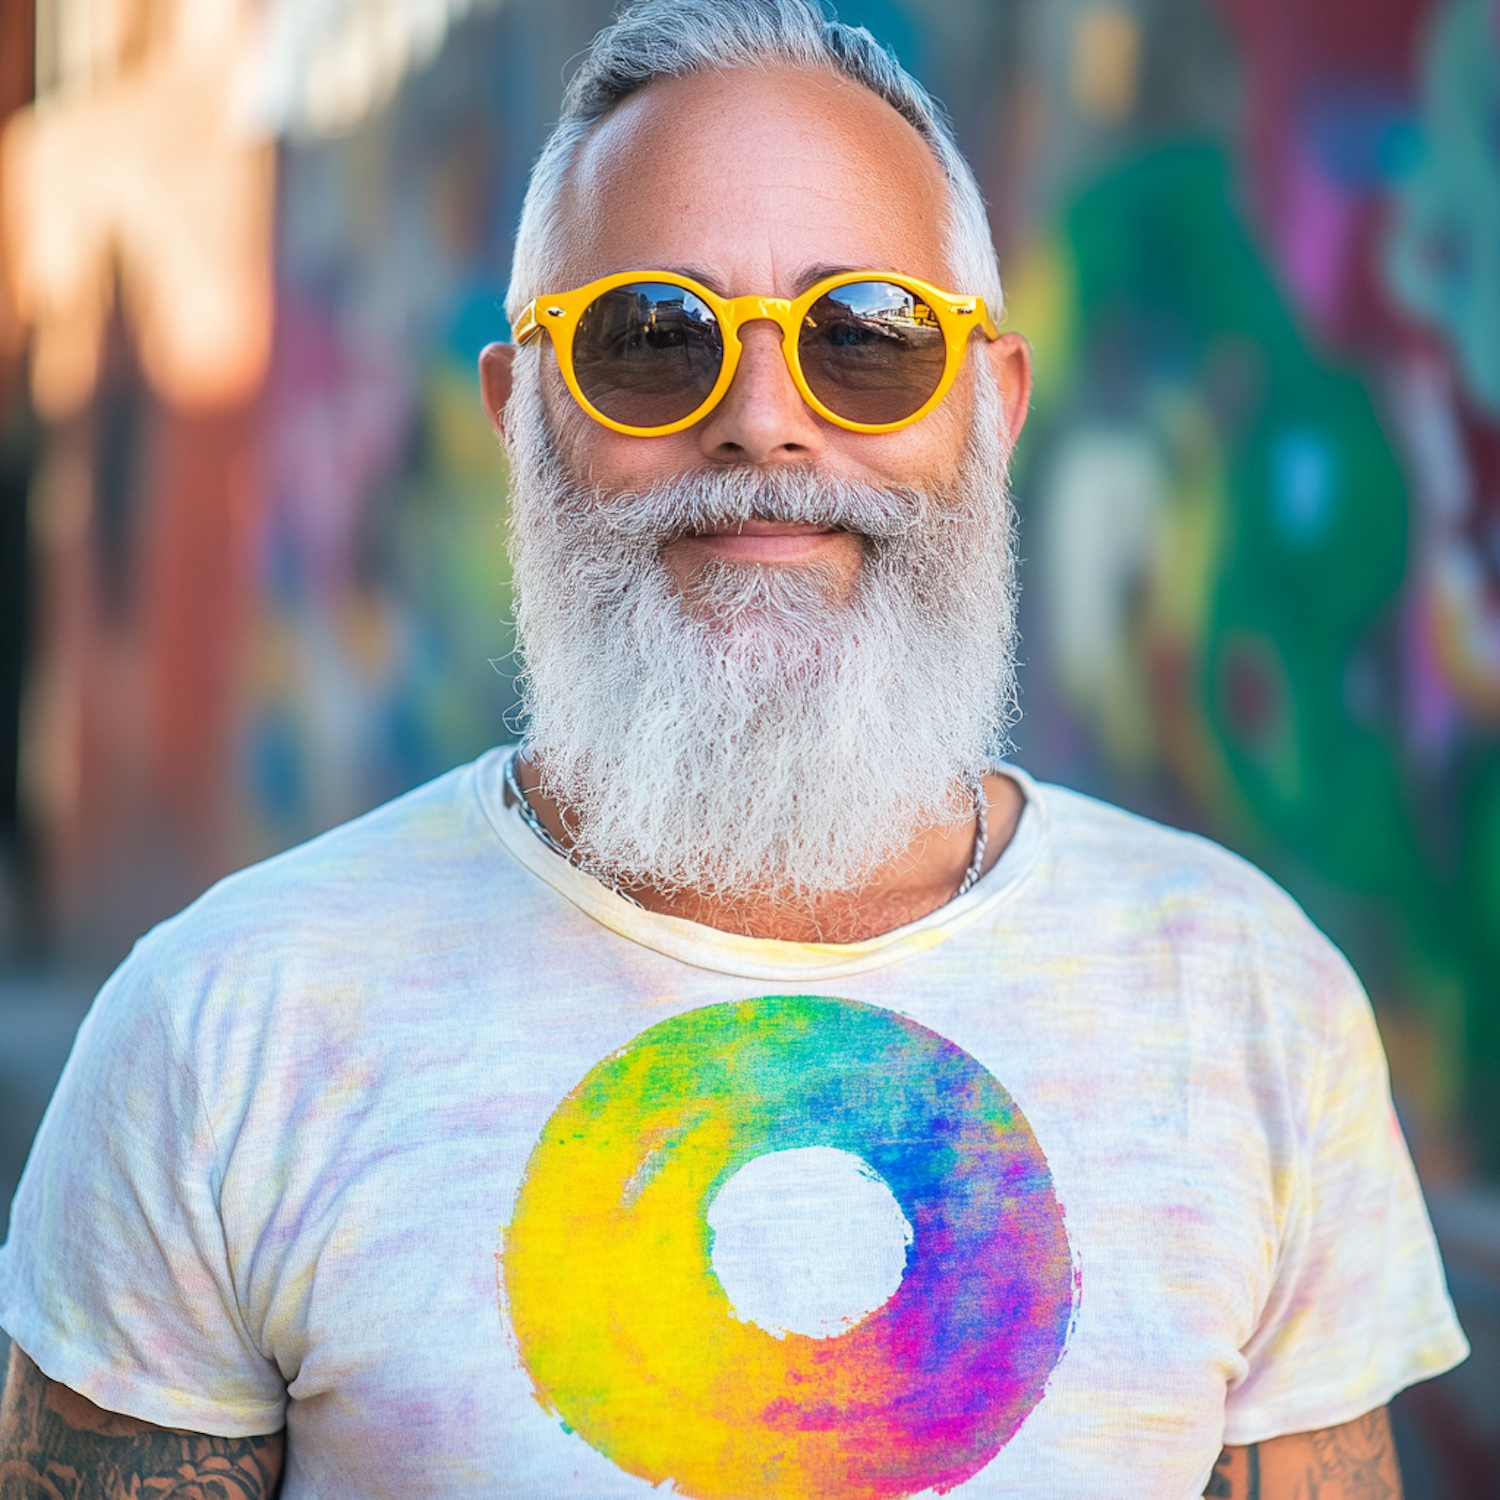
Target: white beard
[(761, 739)]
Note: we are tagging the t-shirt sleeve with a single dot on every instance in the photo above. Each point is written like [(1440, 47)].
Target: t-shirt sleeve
[(1359, 1306), (116, 1278)]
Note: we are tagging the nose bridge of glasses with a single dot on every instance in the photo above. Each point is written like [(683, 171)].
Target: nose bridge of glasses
[(744, 310)]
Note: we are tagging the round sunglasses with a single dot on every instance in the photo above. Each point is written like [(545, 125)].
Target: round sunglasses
[(649, 352)]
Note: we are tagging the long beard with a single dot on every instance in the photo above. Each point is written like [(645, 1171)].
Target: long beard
[(769, 736)]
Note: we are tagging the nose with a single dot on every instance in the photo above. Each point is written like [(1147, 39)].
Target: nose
[(762, 418)]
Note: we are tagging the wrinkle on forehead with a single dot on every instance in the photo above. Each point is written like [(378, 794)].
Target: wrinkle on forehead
[(753, 173)]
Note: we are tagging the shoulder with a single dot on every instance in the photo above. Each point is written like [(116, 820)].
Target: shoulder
[(1139, 883), (378, 896), (413, 839), (405, 852), (1106, 855)]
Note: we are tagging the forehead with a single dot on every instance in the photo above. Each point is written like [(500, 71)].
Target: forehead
[(753, 177)]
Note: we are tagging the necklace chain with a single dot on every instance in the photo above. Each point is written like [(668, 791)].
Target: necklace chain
[(981, 841), (532, 820), (528, 812)]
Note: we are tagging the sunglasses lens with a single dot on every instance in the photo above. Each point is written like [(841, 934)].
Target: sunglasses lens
[(647, 354), (872, 352)]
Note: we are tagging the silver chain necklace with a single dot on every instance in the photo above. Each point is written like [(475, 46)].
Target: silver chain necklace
[(528, 812), (981, 841), (530, 818)]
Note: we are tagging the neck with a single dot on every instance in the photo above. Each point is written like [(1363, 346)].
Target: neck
[(922, 878)]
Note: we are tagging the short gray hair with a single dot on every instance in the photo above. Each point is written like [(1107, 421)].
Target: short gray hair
[(671, 38)]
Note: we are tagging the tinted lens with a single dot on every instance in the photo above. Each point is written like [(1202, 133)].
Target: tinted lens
[(647, 354), (872, 352)]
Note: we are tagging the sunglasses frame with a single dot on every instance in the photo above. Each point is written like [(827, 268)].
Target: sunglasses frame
[(558, 313)]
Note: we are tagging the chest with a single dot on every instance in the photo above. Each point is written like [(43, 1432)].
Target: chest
[(519, 1265)]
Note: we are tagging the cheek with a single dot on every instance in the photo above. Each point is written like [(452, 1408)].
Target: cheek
[(611, 460), (926, 454)]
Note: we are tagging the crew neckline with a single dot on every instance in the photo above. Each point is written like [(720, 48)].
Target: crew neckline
[(710, 948)]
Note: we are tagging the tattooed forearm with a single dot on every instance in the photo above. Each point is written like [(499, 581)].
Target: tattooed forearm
[(1236, 1476), (1356, 1461), (55, 1445)]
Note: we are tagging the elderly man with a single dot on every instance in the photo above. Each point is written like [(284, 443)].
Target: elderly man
[(749, 1087)]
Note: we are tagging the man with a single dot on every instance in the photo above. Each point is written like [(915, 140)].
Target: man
[(749, 1089)]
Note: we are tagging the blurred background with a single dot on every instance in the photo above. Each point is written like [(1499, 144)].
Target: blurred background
[(252, 563)]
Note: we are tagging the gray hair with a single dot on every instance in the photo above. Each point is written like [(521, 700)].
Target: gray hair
[(671, 38)]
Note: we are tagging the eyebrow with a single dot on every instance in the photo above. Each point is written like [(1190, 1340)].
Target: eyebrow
[(821, 272), (698, 274)]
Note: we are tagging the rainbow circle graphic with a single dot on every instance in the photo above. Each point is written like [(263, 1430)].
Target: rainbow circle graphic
[(629, 1338)]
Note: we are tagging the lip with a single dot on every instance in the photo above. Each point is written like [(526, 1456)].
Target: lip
[(765, 541)]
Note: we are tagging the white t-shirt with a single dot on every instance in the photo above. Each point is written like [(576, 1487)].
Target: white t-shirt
[(487, 1182)]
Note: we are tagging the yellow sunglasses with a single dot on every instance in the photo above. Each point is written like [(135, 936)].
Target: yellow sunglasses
[(649, 352)]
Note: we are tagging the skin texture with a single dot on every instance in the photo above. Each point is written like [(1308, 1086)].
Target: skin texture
[(55, 1445), (1356, 1461), (764, 181)]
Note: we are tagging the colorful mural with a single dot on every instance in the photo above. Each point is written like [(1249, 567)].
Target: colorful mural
[(1261, 489), (1254, 245), (1264, 504)]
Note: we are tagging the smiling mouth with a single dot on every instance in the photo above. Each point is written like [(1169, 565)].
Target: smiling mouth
[(759, 526), (765, 541)]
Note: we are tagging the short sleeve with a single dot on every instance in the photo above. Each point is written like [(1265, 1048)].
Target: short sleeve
[(1359, 1307), (116, 1279)]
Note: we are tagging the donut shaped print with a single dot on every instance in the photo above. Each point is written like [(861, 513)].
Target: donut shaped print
[(629, 1338)]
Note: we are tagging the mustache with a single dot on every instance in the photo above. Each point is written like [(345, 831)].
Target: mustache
[(708, 499)]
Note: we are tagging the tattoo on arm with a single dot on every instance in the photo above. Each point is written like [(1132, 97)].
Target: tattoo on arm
[(57, 1445), (1355, 1461), (1236, 1476)]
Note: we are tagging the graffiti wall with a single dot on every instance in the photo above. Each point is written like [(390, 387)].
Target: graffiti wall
[(1263, 506), (1255, 246)]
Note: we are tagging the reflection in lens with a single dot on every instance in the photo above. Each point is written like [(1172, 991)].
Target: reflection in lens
[(647, 354), (872, 352)]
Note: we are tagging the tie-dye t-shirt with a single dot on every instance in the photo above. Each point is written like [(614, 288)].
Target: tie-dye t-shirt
[(486, 1182)]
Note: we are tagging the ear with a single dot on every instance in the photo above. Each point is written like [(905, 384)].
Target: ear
[(495, 362), (1010, 358)]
